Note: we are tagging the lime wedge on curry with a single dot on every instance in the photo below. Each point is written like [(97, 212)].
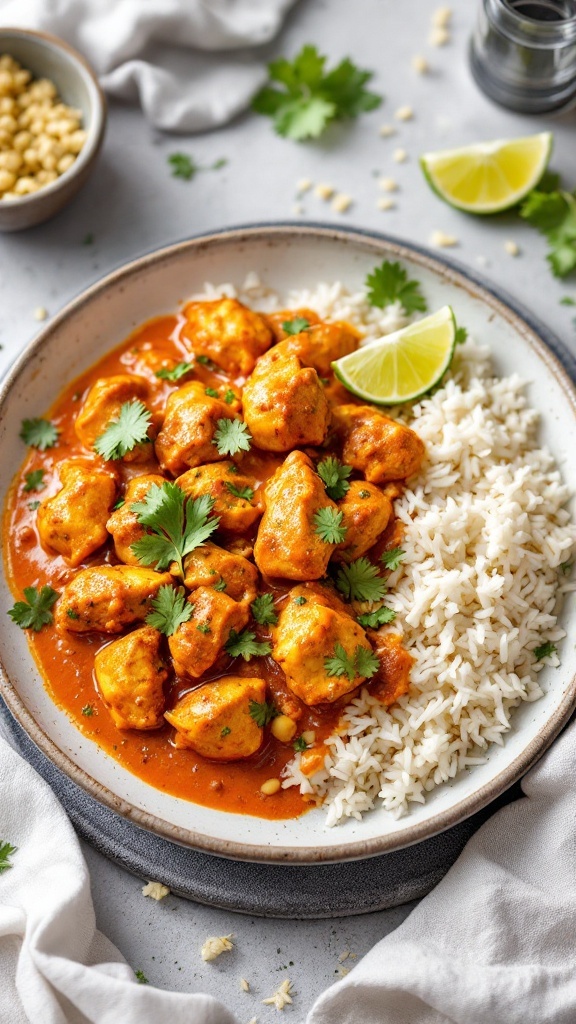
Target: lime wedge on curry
[(488, 176), (401, 366)]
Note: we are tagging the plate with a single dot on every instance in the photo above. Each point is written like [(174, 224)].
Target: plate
[(286, 256)]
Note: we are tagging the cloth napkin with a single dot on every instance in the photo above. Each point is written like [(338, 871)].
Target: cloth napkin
[(494, 943), (192, 64)]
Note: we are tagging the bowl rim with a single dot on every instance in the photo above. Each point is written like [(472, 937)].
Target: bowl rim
[(99, 110), (536, 335)]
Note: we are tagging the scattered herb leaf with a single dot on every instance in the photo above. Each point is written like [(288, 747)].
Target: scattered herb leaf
[(34, 480), (183, 166), (123, 434), (170, 609), (262, 713), (244, 645), (568, 301), (6, 851), (553, 214), (33, 505), (328, 524), (142, 979), (300, 600), (296, 326), (360, 581), (204, 627), (367, 663), (34, 612), (179, 525), (545, 650), (389, 283), (232, 436), (461, 335), (211, 392), (72, 614), (364, 663), (300, 744), (39, 433), (220, 585), (373, 620), (88, 710), (225, 731), (262, 609), (240, 492), (230, 396), (205, 361), (566, 568), (391, 559), (178, 371), (118, 504), (334, 475)]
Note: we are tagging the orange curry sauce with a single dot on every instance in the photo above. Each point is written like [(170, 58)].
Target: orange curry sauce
[(67, 662)]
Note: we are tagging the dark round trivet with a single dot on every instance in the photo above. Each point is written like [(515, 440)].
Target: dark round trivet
[(263, 890)]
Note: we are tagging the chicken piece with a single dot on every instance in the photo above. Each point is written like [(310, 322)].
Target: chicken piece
[(73, 522), (282, 316), (376, 445), (197, 643), (228, 333), (392, 680), (284, 404), (320, 345), (310, 626), (187, 435), (287, 543), (123, 524), (366, 512), (106, 598), (131, 673), (102, 406), (215, 720), (221, 480), (209, 565)]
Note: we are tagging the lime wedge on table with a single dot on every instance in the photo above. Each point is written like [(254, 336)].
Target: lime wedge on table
[(401, 366), (488, 176)]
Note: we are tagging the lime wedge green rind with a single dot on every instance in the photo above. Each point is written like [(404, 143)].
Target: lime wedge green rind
[(488, 177), (402, 366)]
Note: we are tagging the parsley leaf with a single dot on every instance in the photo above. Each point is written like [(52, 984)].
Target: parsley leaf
[(360, 581), (34, 480), (300, 744), (183, 166), (123, 434), (553, 214), (309, 98), (232, 436), (328, 524), (461, 335), (296, 326), (334, 475), (240, 492), (34, 612), (39, 433), (364, 663), (178, 371), (262, 609), (6, 851), (88, 710), (244, 645), (262, 713), (179, 525), (373, 620), (545, 650), (391, 559), (171, 609), (389, 283), (142, 979)]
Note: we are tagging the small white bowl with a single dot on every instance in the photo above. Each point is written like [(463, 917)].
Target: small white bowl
[(48, 57)]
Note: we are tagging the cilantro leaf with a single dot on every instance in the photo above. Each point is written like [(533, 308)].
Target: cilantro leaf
[(211, 392), (34, 612), (244, 645), (296, 326), (364, 663), (240, 492), (262, 609), (300, 744), (309, 98), (373, 620), (220, 585), (328, 524), (142, 979), (6, 851), (230, 396), (389, 283), (171, 609), (183, 166), (225, 731), (461, 335), (88, 710), (334, 475), (39, 433), (232, 436), (554, 215), (545, 650), (567, 300), (262, 713), (123, 434), (391, 559), (566, 568), (34, 480), (33, 505), (178, 371), (360, 581), (179, 525), (300, 600)]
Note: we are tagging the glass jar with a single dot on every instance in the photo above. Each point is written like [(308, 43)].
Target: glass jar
[(523, 53)]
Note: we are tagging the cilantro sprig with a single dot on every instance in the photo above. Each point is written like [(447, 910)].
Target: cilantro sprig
[(184, 166), (123, 434), (262, 609), (553, 214), (170, 610), (361, 581), (389, 283), (34, 612), (545, 650), (296, 325), (175, 373), (244, 645), (328, 523), (334, 475), (39, 433), (391, 559), (262, 713), (231, 437), (178, 524), (373, 620), (246, 493), (34, 480), (6, 851), (303, 97), (363, 663)]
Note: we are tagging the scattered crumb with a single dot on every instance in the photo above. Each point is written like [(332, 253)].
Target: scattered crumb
[(399, 156), (420, 65), (341, 203), (386, 130), (343, 971), (254, 1020), (404, 114), (244, 985), (388, 184), (298, 209), (439, 37), (324, 191), (304, 185), (442, 240), (385, 203), (155, 890), (343, 956), (40, 313), (281, 996), (216, 945), (442, 17), (512, 248)]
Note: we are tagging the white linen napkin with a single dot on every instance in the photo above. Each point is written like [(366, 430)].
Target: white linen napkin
[(189, 62)]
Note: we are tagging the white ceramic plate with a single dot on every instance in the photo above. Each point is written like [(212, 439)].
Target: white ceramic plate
[(286, 257)]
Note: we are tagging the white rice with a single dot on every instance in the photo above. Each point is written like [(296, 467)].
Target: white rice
[(478, 589)]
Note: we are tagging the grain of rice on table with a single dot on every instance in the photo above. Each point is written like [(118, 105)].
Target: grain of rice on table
[(477, 591)]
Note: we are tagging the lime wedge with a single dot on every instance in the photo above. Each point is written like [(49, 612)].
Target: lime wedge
[(401, 366), (488, 176)]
